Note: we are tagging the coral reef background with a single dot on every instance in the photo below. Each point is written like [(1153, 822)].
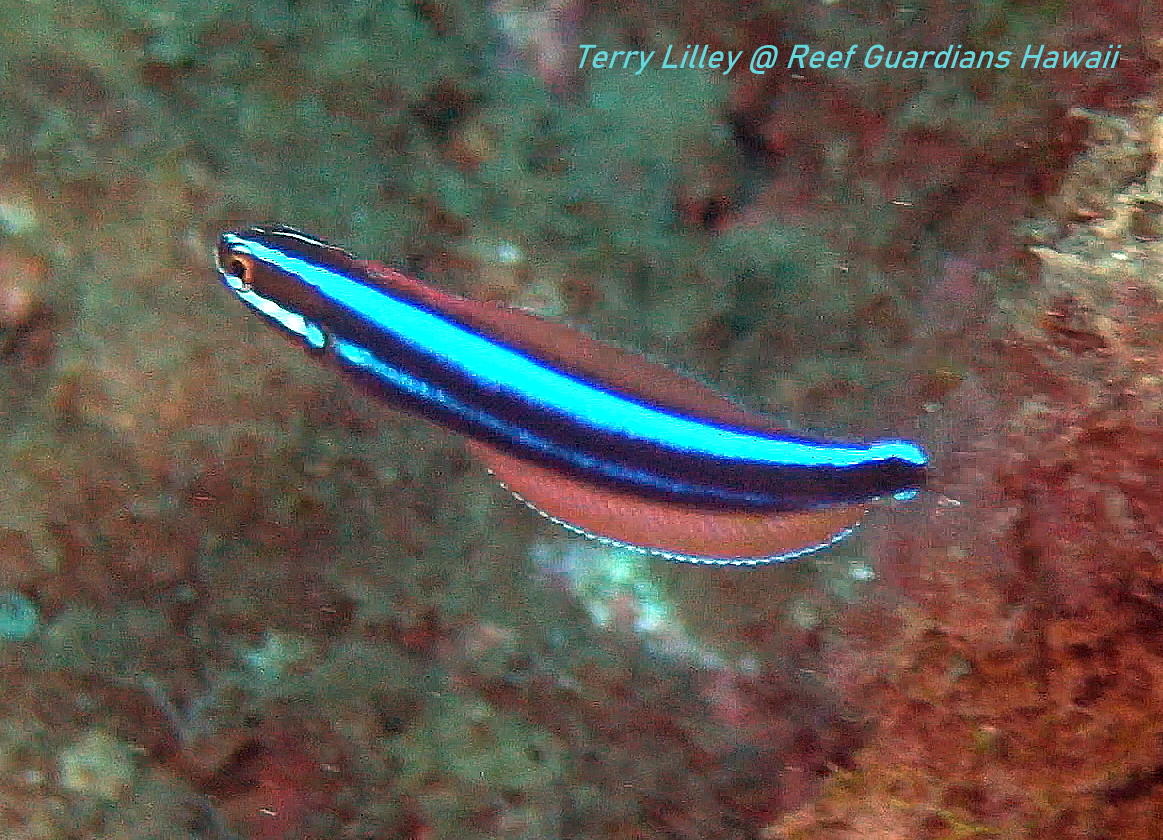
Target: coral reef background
[(239, 600)]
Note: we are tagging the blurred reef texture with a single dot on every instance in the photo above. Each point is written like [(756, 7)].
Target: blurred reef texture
[(239, 600)]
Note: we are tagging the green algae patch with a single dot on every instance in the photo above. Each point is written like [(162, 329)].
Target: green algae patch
[(97, 765)]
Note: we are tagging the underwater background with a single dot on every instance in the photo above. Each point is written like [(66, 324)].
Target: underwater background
[(239, 599)]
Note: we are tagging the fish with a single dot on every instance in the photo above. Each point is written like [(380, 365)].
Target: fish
[(597, 438)]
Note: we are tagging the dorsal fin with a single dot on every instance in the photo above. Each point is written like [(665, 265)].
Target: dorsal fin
[(573, 351)]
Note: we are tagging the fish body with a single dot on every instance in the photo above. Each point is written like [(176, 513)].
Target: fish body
[(599, 439)]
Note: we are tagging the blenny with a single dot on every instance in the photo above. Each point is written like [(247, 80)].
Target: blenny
[(599, 439)]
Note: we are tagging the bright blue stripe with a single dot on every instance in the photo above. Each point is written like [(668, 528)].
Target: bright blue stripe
[(498, 367), (285, 318), (353, 356)]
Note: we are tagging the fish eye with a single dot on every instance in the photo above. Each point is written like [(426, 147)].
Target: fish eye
[(238, 271), (236, 267)]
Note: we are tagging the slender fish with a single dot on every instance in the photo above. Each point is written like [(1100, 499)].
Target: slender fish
[(596, 438)]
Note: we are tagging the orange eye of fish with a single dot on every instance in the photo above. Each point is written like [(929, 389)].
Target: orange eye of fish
[(238, 267)]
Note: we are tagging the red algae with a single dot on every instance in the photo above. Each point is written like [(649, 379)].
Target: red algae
[(276, 779), (1015, 687), (20, 276)]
